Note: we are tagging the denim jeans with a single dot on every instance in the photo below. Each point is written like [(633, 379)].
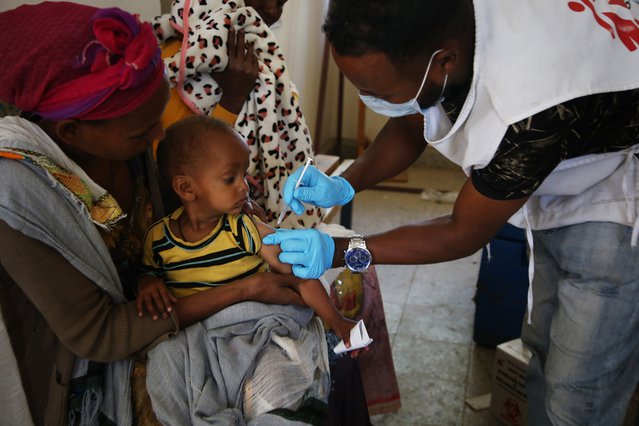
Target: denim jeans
[(585, 325)]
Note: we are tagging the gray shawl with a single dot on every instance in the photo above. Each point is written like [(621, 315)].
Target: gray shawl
[(32, 202)]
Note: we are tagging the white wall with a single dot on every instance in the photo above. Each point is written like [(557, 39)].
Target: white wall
[(146, 8), (302, 40)]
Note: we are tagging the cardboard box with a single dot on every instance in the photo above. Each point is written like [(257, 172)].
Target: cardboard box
[(508, 402)]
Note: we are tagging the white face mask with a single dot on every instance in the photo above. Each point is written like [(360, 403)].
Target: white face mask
[(437, 125), (409, 107)]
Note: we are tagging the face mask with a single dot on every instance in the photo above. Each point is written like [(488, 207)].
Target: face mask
[(389, 109), (437, 125)]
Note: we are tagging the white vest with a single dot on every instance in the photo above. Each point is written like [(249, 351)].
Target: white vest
[(530, 56)]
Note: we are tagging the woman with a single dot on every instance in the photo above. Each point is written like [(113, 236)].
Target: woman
[(73, 210)]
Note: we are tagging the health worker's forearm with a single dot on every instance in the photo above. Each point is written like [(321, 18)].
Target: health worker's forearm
[(474, 221), (395, 148)]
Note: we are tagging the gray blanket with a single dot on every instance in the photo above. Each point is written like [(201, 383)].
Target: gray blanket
[(265, 356)]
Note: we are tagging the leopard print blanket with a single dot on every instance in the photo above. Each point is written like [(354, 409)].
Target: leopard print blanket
[(270, 121)]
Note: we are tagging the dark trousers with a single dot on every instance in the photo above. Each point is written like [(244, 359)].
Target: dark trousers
[(347, 403)]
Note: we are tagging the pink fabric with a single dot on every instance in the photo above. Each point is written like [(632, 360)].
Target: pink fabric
[(183, 50), (376, 365), (65, 60)]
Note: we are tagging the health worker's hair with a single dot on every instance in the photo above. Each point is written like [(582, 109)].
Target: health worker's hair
[(401, 29)]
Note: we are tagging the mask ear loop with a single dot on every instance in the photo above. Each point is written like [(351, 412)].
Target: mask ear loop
[(421, 86), (441, 95)]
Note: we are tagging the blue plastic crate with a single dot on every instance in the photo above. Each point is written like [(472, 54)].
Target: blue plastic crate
[(502, 288)]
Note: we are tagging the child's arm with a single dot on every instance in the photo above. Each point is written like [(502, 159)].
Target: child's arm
[(315, 296), (153, 293), (312, 291), (270, 252)]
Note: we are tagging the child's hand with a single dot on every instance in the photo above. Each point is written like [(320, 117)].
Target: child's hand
[(152, 294), (342, 328)]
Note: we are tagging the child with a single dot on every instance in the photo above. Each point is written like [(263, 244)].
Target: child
[(209, 241)]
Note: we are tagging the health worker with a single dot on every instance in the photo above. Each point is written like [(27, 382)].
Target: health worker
[(538, 103)]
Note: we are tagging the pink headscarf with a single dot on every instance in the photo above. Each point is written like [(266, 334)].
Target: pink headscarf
[(65, 60)]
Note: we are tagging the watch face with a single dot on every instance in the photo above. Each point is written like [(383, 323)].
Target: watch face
[(357, 259)]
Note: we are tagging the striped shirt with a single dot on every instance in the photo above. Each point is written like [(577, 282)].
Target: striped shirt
[(229, 252)]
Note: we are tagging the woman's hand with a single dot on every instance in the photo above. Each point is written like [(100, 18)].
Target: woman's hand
[(265, 287), (269, 287), (238, 78)]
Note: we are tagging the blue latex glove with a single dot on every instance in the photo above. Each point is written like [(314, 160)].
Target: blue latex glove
[(308, 250), (316, 188)]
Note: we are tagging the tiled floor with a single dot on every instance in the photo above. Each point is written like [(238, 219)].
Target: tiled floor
[(429, 312)]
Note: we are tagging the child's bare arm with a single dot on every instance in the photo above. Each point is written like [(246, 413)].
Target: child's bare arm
[(312, 291), (270, 252), (316, 297)]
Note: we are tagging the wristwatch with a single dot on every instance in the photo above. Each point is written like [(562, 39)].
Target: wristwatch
[(357, 257)]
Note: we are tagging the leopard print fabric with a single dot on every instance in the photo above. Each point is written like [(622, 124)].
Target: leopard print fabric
[(271, 120)]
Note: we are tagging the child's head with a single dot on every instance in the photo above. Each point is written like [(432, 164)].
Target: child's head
[(205, 160)]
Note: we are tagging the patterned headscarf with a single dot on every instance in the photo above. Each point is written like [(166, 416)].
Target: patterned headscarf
[(65, 60)]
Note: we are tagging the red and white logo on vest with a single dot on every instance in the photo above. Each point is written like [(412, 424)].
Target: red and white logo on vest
[(615, 16)]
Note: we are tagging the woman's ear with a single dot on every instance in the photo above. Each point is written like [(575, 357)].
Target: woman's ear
[(183, 187), (67, 131)]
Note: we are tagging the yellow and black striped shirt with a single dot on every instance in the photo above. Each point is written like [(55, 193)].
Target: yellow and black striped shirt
[(228, 253)]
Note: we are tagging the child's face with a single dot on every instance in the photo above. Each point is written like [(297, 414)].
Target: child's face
[(219, 182)]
